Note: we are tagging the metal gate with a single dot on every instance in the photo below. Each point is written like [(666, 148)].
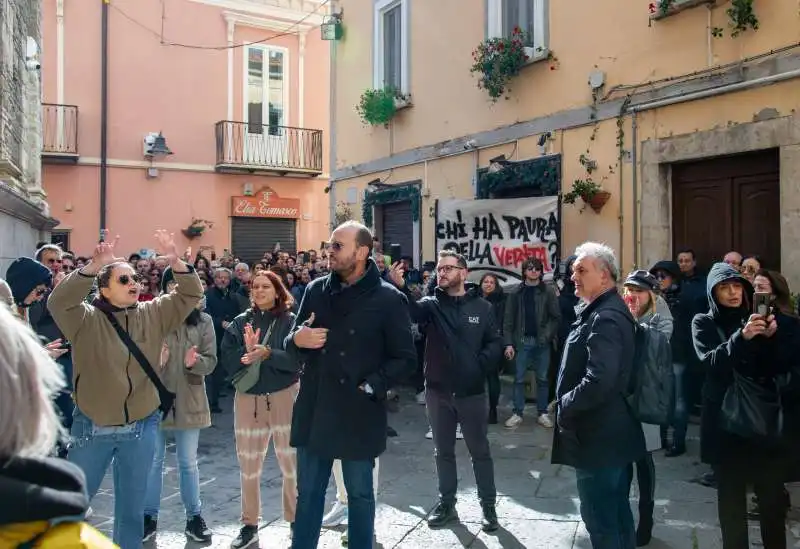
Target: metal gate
[(397, 227), (252, 237)]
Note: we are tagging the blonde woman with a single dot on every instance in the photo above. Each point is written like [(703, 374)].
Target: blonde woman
[(647, 308), (266, 381), (189, 354), (41, 496)]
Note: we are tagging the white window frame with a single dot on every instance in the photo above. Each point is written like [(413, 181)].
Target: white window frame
[(494, 25), (286, 83), (381, 6)]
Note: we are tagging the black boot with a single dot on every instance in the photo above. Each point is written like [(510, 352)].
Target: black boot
[(493, 415), (489, 523), (644, 532), (443, 514)]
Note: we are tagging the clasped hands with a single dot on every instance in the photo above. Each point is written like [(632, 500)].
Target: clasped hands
[(256, 351)]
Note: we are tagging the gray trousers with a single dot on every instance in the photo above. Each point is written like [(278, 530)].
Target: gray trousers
[(446, 411)]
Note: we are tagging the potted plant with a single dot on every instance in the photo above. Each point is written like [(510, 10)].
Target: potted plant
[(589, 190), (197, 227), (378, 106), (498, 60)]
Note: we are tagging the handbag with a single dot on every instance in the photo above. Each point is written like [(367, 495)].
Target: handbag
[(751, 409), (247, 377), (165, 396)]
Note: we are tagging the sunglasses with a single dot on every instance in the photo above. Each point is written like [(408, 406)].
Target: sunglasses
[(67, 268), (41, 291), (127, 279), (335, 246)]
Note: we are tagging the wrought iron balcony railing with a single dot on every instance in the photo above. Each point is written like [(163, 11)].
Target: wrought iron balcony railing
[(59, 131), (242, 146)]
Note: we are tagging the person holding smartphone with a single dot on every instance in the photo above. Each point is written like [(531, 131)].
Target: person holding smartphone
[(736, 340)]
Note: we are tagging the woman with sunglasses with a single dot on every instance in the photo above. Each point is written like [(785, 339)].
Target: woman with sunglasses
[(116, 405)]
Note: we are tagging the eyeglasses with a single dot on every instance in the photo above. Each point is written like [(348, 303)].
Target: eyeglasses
[(127, 279), (447, 269)]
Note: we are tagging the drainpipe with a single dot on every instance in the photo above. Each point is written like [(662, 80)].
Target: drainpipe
[(703, 94), (621, 208), (103, 113), (332, 128), (635, 185)]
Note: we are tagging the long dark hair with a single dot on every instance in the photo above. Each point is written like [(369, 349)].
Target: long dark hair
[(780, 289)]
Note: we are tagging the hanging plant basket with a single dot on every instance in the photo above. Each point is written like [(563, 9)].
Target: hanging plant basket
[(597, 200), (196, 228)]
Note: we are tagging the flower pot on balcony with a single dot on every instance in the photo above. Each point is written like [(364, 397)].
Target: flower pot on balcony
[(597, 200)]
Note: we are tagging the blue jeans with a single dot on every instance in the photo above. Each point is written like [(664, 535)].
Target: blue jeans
[(313, 475), (537, 355), (680, 408), (131, 447), (186, 441), (605, 508)]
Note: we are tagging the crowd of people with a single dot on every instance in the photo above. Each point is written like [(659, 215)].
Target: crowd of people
[(134, 350)]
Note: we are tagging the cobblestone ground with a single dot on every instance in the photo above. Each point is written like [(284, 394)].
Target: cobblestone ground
[(537, 504)]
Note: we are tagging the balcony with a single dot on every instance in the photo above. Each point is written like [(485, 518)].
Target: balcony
[(281, 150), (59, 134)]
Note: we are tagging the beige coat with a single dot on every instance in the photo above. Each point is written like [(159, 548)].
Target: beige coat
[(111, 387), (191, 404)]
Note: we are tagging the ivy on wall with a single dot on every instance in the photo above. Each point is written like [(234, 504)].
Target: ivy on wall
[(542, 175), (399, 193)]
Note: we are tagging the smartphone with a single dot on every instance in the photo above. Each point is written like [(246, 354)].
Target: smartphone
[(395, 252), (761, 302)]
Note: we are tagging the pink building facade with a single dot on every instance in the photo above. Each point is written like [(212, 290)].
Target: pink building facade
[(239, 90)]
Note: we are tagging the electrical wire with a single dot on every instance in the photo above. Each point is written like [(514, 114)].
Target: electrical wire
[(160, 35)]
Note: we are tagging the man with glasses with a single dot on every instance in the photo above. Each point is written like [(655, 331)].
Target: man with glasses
[(353, 335), (463, 342)]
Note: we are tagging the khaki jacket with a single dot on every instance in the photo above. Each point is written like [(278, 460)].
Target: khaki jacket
[(111, 387), (191, 404)]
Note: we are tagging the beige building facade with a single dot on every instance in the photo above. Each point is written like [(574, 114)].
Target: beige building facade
[(680, 112)]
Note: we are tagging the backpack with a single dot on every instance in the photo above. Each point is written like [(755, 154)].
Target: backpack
[(651, 385)]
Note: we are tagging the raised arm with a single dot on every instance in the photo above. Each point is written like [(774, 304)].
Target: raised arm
[(418, 310)]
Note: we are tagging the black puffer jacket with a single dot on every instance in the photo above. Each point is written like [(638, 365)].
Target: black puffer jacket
[(721, 349), (463, 341), (280, 370)]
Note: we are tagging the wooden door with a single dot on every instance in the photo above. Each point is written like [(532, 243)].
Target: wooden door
[(725, 204)]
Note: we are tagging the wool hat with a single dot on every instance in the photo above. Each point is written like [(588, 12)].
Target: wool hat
[(667, 266), (25, 274), (642, 279)]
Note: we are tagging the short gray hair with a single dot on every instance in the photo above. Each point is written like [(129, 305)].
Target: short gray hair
[(605, 254), (29, 381), (223, 270), (242, 264)]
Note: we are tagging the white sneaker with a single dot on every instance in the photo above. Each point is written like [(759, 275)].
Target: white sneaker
[(513, 421), (429, 434), (459, 434), (545, 421), (336, 516), (421, 398), (89, 513)]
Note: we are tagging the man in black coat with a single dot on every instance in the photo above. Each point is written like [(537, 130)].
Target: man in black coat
[(353, 334), (463, 344), (596, 432)]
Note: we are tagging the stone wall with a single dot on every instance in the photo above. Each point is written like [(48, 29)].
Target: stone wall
[(24, 213)]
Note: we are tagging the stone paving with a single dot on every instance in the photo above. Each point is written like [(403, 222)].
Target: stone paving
[(537, 503)]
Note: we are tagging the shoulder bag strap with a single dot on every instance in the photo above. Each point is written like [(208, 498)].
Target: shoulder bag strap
[(167, 397)]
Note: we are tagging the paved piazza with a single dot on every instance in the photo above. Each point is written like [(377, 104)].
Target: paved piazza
[(537, 503)]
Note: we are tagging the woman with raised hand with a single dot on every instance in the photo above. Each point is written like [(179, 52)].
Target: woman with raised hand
[(266, 380), (119, 399)]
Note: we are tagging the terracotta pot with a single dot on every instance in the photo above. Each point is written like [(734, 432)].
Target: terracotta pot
[(597, 201)]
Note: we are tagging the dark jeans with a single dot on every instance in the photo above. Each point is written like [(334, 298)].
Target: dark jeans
[(493, 384), (646, 477), (767, 479), (605, 508), (444, 413), (418, 380), (680, 408), (313, 475), (214, 384)]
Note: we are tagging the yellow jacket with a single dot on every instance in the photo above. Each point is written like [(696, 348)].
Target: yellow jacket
[(43, 535)]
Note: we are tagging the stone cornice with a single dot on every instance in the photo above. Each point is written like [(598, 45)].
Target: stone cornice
[(15, 205)]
